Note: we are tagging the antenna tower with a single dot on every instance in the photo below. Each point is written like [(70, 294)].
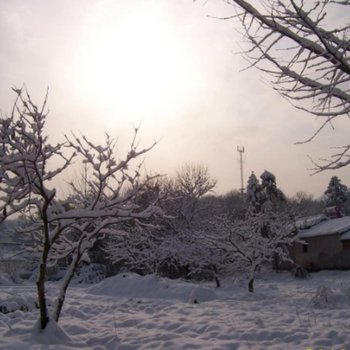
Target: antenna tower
[(240, 150)]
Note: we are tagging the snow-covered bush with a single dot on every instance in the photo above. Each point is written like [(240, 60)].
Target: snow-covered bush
[(9, 270), (90, 274), (170, 246), (11, 303), (323, 298)]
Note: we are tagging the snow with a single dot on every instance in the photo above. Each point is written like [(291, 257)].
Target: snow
[(128, 311), (153, 287), (345, 236), (328, 227), (309, 221)]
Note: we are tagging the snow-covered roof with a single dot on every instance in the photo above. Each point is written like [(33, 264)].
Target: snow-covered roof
[(309, 221), (327, 227), (345, 236)]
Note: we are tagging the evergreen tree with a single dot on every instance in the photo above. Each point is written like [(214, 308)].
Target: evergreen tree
[(336, 193), (269, 188), (263, 194), (254, 194)]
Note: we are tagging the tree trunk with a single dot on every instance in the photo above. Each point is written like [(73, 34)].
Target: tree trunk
[(67, 278), (40, 282), (251, 285), (217, 281)]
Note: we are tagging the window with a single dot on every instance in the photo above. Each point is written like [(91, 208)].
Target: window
[(346, 244), (305, 248)]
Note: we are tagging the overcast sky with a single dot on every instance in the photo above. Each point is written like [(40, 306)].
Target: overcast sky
[(164, 64)]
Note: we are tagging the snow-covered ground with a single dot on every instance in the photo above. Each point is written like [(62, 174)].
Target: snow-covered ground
[(132, 312)]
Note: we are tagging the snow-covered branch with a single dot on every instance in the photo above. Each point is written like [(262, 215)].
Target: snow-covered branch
[(249, 243), (65, 227)]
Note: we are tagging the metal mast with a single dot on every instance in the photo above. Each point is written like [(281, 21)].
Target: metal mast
[(240, 149)]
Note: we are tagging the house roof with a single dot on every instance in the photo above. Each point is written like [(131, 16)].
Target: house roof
[(309, 221), (328, 227), (345, 236)]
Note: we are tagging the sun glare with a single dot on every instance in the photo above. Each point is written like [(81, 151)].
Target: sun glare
[(137, 65)]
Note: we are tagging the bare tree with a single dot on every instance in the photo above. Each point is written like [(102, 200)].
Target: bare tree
[(191, 183), (307, 56), (305, 204), (194, 180), (64, 227)]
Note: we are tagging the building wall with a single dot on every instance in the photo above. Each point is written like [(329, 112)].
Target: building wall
[(346, 245), (322, 252)]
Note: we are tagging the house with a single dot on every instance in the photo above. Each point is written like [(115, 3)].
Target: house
[(323, 243)]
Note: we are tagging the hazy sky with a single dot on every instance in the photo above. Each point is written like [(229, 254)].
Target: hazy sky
[(111, 65)]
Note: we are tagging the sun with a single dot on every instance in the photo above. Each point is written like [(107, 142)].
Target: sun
[(137, 64)]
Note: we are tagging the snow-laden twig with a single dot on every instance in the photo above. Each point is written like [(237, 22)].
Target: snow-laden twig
[(65, 228)]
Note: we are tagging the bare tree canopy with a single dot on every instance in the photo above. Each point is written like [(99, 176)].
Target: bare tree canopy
[(306, 53), (194, 180)]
